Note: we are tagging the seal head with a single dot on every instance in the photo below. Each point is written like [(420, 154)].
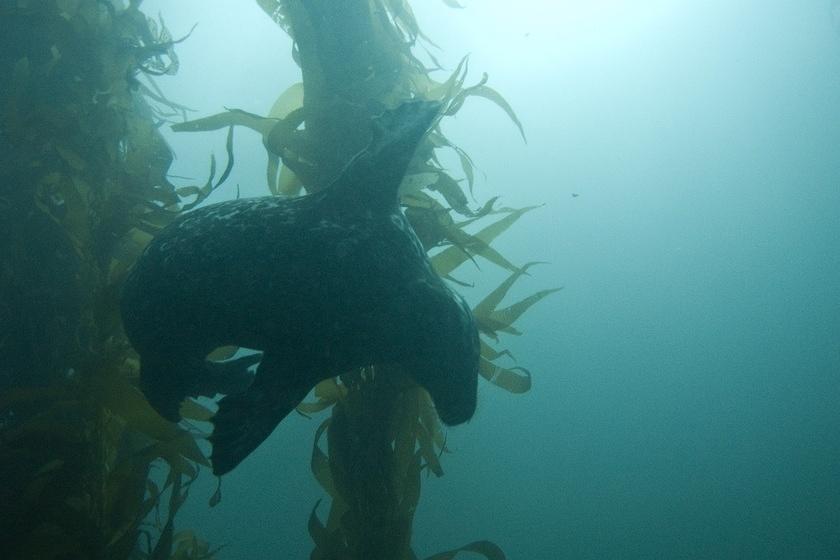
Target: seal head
[(321, 284)]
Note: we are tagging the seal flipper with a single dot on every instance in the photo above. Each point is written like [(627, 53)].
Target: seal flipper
[(228, 377), (167, 380), (245, 420)]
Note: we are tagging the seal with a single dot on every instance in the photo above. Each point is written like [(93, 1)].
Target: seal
[(320, 284)]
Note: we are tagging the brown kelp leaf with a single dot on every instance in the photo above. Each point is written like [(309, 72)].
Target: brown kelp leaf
[(155, 93), (320, 463), (330, 389), (464, 247), (457, 101), (127, 401), (229, 166), (309, 408), (189, 547), (509, 314), (451, 258), (481, 89), (474, 245), (452, 192), (447, 90), (427, 450), (173, 443), (200, 193), (437, 140), (491, 94), (430, 225), (118, 533), (163, 548), (419, 199), (515, 380), (448, 260), (184, 445), (284, 135), (489, 304), (328, 392), (485, 210), (216, 498), (492, 231), (288, 183), (193, 410), (154, 221), (491, 328), (485, 548), (411, 485), (403, 430), (430, 420), (231, 117), (126, 252), (467, 166), (222, 353), (178, 465), (413, 183), (404, 17), (436, 65), (320, 535), (288, 101), (490, 353), (272, 173)]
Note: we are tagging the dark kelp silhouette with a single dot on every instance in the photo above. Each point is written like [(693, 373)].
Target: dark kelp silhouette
[(83, 187)]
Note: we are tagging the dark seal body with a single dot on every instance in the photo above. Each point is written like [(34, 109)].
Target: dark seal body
[(321, 284)]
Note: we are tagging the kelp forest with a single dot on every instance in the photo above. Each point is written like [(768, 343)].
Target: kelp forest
[(87, 468)]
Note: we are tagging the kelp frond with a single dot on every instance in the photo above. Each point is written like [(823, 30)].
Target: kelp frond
[(84, 184)]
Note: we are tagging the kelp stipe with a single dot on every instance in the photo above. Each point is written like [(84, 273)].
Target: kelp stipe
[(83, 187)]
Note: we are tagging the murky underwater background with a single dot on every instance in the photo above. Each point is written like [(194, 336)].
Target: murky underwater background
[(686, 399)]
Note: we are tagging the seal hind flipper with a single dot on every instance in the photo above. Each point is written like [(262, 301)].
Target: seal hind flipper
[(245, 420), (228, 377), (166, 381)]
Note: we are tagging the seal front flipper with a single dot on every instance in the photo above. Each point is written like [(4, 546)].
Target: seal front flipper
[(245, 420)]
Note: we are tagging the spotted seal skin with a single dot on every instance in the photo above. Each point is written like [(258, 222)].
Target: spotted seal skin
[(321, 284)]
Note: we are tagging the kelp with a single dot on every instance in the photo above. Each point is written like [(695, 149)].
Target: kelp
[(83, 188)]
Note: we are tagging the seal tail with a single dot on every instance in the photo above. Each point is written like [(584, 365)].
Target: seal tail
[(245, 420), (374, 175)]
